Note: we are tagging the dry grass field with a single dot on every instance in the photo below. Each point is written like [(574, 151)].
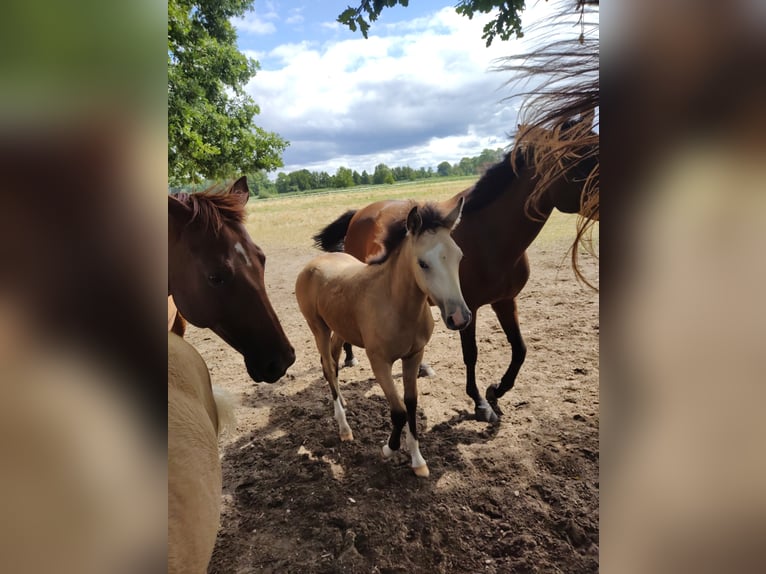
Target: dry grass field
[(518, 496)]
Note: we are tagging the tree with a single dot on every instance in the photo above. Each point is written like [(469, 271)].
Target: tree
[(444, 169), (506, 23), (382, 174), (344, 177), (283, 183), (365, 180), (259, 184), (210, 117), (301, 179)]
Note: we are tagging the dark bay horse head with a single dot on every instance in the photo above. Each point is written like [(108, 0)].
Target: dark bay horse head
[(215, 274)]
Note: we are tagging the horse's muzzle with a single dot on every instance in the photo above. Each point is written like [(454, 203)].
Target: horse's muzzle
[(271, 370), (459, 319)]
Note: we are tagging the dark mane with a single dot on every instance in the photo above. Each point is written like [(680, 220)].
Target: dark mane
[(494, 182), (213, 208), (394, 234)]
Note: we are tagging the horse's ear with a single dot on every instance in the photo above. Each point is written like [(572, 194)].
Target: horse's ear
[(179, 214), (453, 217), (240, 189), (414, 221)]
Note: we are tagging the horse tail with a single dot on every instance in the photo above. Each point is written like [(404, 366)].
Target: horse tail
[(224, 405), (331, 238)]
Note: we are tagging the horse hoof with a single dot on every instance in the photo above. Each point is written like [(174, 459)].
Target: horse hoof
[(426, 371), (351, 363), (346, 437), (421, 471), (387, 452), (486, 414)]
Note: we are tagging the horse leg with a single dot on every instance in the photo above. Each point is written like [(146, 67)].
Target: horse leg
[(482, 409), (508, 315), (330, 370), (425, 370), (335, 346), (382, 369), (409, 374), (350, 358)]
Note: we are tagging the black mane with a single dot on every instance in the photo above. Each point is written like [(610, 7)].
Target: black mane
[(494, 182), (393, 236)]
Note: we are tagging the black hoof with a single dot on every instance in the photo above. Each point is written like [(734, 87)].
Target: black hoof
[(492, 399), (484, 413), (352, 362)]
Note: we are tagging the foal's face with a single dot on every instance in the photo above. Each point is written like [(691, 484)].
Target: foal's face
[(436, 265)]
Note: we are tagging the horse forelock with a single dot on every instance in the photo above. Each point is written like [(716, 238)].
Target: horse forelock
[(432, 218), (213, 209)]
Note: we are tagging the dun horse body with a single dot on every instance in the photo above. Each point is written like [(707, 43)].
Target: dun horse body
[(383, 307), (215, 277), (498, 225), (196, 416)]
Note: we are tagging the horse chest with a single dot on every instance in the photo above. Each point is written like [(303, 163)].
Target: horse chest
[(400, 336)]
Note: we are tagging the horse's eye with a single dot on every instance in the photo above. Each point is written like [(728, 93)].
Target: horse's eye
[(423, 264), (215, 279)]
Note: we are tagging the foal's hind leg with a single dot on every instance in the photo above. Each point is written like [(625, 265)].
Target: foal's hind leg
[(350, 359), (330, 370), (508, 315)]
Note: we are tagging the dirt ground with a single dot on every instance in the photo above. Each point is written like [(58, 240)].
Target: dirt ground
[(518, 496)]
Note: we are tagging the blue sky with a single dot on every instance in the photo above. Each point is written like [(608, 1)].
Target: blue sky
[(417, 92)]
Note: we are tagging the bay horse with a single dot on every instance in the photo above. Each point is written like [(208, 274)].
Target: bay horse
[(383, 307), (498, 224), (196, 417), (216, 281), (215, 275)]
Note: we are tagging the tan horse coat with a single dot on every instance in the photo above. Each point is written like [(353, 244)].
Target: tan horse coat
[(194, 467), (384, 308)]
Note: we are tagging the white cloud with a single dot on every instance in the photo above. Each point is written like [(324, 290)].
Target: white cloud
[(416, 93), (295, 16), (256, 23)]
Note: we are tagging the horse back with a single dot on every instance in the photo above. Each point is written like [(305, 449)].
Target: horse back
[(366, 227)]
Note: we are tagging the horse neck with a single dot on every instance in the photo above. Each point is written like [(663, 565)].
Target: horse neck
[(406, 294), (512, 225)]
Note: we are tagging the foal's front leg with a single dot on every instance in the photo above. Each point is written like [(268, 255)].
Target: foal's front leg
[(410, 366), (382, 369)]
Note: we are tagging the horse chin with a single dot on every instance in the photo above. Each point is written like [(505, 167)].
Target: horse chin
[(270, 374)]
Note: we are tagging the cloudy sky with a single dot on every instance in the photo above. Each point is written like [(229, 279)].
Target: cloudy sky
[(417, 92)]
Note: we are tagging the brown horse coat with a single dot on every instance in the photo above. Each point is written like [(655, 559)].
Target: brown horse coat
[(498, 224)]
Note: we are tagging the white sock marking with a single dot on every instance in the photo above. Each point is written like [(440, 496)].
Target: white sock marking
[(340, 416), (414, 448)]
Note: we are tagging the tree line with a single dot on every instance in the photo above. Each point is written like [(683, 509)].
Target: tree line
[(305, 180)]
